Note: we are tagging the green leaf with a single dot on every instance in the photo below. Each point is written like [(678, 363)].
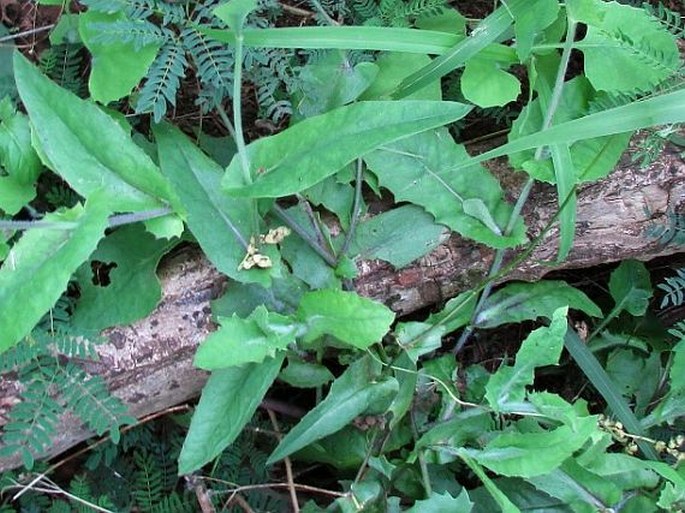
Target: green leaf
[(487, 32), (71, 131), (118, 283), (251, 340), (631, 287), (592, 158), (234, 12), (116, 66), (443, 503), (405, 373), (537, 453), (350, 318), (331, 82), (530, 19), (517, 302), (420, 169), (398, 236), (19, 160), (506, 388), (219, 223), (627, 49), (393, 67), (302, 374), (39, 266), (318, 147), (355, 392), (224, 409), (677, 372), (487, 85)]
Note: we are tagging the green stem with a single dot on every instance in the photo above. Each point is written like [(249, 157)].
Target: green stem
[(525, 192), (313, 243), (116, 220), (237, 108), (356, 210)]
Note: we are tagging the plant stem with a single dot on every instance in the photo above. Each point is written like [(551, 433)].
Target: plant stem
[(116, 220), (237, 108), (313, 243), (525, 192), (356, 210)]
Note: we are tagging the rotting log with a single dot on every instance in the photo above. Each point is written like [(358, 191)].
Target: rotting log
[(148, 364)]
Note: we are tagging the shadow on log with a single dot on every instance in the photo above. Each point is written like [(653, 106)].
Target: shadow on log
[(149, 364)]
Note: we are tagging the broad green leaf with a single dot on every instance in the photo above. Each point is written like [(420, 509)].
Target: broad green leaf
[(398, 236), (357, 391), (521, 494), (331, 82), (239, 341), (87, 147), (39, 266), (345, 449), (242, 298), (350, 318), (497, 495), (234, 12), (301, 374), (488, 31), (517, 302), (487, 85), (335, 197), (318, 147), (405, 373), (592, 158), (530, 19), (456, 313), (449, 20), (577, 486), (628, 50), (118, 283), (393, 67), (537, 453), (419, 169), (677, 372), (418, 338), (20, 163), (219, 223), (443, 503), (228, 401), (506, 388), (116, 66), (631, 287)]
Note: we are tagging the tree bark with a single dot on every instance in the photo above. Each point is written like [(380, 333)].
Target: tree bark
[(149, 364)]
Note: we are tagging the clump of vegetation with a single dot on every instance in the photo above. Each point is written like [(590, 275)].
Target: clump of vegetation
[(399, 423)]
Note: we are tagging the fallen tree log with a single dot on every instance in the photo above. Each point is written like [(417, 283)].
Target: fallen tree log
[(149, 364)]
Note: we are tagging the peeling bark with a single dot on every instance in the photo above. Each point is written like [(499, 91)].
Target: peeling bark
[(149, 364)]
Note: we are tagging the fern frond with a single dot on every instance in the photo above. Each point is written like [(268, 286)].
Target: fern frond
[(64, 64), (674, 289), (33, 421), (87, 396), (147, 481), (134, 9), (163, 81), (175, 503), (213, 60), (672, 232), (139, 32)]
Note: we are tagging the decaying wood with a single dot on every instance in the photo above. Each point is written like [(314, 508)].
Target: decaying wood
[(148, 364)]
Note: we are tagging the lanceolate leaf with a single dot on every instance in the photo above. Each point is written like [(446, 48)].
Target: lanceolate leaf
[(469, 200), (352, 394), (517, 302), (220, 224), (88, 148), (318, 147), (229, 399), (39, 266)]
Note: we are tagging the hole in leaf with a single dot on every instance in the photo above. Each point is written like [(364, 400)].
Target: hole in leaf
[(101, 272)]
